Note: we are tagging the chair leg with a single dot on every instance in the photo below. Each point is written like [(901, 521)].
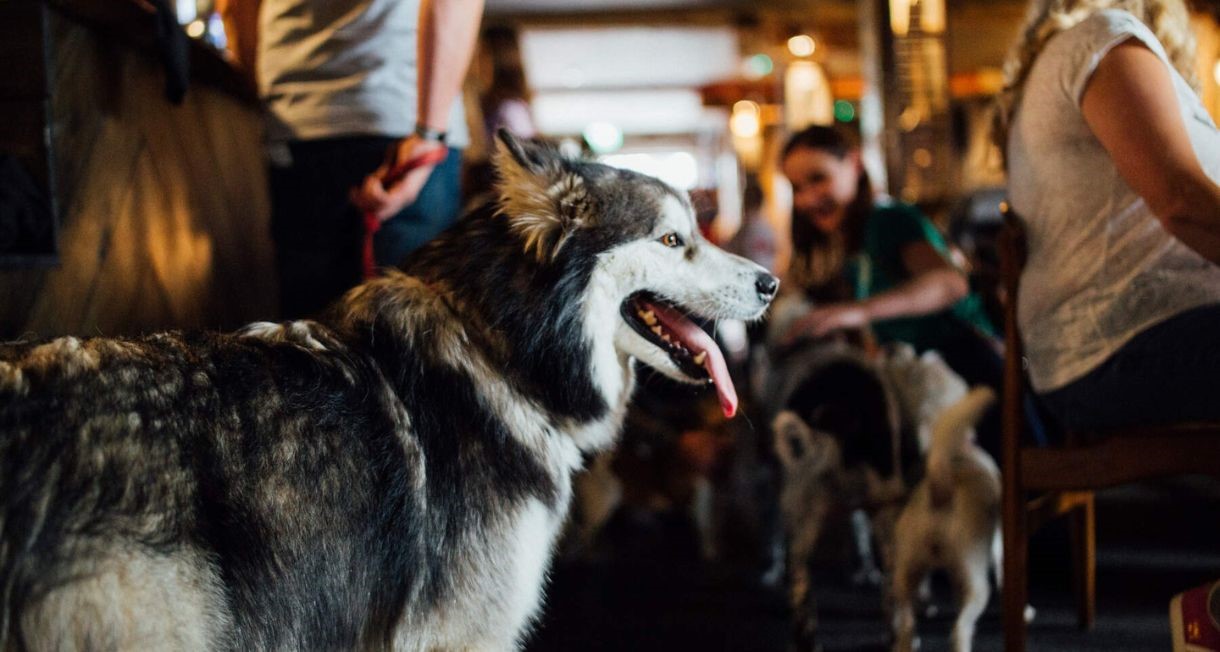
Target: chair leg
[(1084, 560), (1016, 579)]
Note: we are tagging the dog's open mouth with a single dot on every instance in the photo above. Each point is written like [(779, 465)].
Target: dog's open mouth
[(693, 351)]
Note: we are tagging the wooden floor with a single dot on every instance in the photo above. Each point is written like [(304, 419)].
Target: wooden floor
[(1154, 540)]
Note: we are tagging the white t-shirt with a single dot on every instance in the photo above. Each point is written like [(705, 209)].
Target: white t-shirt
[(1101, 268), (329, 68)]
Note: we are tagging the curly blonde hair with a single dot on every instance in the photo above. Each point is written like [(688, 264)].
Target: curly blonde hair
[(1168, 20)]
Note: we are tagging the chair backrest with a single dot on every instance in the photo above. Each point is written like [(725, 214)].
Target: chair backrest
[(1012, 252)]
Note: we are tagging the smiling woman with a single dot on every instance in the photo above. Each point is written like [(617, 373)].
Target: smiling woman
[(870, 262)]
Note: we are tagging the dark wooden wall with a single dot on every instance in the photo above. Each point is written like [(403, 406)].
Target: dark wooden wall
[(164, 209)]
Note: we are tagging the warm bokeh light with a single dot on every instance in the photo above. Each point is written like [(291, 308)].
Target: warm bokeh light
[(900, 17), (931, 16), (196, 29), (807, 98), (745, 122), (801, 45), (1216, 73)]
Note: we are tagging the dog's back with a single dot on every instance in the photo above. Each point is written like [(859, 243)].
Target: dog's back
[(248, 490), (173, 476)]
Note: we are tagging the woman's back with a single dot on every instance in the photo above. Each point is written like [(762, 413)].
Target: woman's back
[(1101, 265)]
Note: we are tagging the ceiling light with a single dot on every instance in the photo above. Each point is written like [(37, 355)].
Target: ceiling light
[(801, 45)]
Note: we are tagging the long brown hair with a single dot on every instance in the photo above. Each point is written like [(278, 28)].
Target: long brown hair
[(817, 257)]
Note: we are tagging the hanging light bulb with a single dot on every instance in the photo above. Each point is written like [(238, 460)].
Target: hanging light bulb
[(801, 45)]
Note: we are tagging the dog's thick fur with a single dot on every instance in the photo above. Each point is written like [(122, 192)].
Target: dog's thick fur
[(391, 476), (951, 522)]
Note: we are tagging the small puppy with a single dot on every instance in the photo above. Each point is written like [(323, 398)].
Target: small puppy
[(813, 456), (838, 441), (951, 521)]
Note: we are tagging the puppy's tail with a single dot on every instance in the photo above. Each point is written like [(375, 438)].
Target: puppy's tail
[(796, 444), (951, 433)]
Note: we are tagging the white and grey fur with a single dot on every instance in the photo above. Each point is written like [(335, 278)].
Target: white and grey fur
[(390, 476)]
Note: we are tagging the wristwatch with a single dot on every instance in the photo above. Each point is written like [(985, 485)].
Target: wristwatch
[(428, 133)]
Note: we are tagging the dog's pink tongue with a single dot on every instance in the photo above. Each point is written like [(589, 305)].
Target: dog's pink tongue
[(697, 340)]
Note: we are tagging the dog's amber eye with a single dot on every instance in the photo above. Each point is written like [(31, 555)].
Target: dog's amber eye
[(671, 240)]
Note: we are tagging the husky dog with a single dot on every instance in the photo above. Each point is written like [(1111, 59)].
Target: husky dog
[(952, 522), (392, 476)]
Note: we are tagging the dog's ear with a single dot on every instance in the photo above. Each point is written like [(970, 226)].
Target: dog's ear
[(542, 197)]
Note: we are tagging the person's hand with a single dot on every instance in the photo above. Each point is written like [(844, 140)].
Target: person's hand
[(824, 320), (397, 182)]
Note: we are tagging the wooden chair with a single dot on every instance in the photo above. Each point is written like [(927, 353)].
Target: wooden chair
[(1065, 476)]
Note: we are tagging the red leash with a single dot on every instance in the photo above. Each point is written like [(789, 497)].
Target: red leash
[(372, 222)]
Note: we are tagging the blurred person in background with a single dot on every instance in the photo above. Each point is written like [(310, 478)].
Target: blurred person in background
[(504, 103), (755, 239), (869, 261), (355, 89)]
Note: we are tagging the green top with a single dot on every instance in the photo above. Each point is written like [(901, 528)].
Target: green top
[(879, 268)]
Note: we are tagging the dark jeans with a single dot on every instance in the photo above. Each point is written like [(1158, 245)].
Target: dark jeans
[(1168, 373), (973, 356), (319, 234)]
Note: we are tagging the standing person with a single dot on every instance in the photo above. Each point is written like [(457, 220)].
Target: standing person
[(867, 261), (755, 239), (353, 89), (1113, 165)]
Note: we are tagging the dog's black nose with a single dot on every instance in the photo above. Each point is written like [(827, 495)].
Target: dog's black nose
[(766, 284)]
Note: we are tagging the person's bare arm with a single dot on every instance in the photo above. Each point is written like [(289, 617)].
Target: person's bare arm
[(934, 285), (448, 30), (241, 29), (1130, 105)]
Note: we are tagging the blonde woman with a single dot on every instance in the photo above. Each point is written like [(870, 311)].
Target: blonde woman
[(1113, 163)]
